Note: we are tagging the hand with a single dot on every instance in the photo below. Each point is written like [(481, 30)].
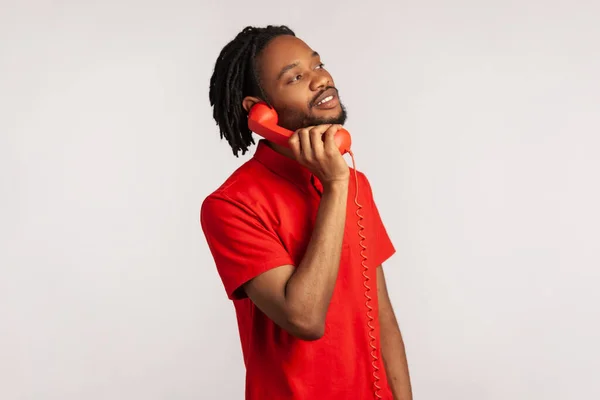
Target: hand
[(315, 148)]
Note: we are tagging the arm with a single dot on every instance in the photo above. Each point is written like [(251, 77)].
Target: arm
[(392, 345), (297, 298)]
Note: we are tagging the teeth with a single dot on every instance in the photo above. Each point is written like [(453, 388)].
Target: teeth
[(325, 100)]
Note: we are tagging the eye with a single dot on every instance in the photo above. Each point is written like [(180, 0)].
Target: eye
[(320, 66), (295, 78)]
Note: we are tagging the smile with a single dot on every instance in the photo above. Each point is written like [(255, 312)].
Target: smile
[(325, 100)]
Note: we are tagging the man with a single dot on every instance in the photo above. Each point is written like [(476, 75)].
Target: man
[(285, 238)]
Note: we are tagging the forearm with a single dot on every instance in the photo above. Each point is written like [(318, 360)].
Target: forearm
[(309, 289), (394, 358)]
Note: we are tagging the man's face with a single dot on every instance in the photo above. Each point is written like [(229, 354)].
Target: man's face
[(297, 86)]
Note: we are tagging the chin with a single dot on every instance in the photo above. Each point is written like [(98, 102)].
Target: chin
[(336, 115)]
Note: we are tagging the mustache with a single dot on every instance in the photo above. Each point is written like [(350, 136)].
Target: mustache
[(314, 100)]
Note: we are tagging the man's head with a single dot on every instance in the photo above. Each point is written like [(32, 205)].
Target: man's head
[(271, 64)]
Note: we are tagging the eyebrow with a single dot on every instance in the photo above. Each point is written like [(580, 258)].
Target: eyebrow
[(292, 66)]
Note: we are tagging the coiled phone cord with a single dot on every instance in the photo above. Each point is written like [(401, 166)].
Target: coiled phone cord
[(366, 284)]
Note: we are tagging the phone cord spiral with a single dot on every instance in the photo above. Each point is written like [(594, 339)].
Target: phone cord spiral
[(370, 318)]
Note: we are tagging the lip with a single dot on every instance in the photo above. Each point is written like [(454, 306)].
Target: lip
[(330, 104)]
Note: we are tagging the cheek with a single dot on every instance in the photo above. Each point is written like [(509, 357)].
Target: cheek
[(294, 99)]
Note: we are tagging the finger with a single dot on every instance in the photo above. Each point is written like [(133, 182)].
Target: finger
[(329, 139), (305, 147), (316, 141), (294, 143)]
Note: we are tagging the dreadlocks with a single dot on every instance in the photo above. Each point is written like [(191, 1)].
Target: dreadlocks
[(235, 76)]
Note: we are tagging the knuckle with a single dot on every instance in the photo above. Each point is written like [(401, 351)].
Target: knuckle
[(329, 137)]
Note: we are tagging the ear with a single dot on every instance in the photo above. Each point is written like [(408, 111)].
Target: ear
[(249, 101)]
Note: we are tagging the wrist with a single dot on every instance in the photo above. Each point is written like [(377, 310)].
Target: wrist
[(335, 185)]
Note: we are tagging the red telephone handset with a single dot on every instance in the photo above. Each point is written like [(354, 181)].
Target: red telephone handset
[(263, 119)]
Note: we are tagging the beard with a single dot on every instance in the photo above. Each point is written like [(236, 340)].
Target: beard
[(294, 119)]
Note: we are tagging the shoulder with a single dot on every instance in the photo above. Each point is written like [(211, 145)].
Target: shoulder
[(240, 192)]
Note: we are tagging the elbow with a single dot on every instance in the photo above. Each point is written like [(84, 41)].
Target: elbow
[(309, 334), (307, 330)]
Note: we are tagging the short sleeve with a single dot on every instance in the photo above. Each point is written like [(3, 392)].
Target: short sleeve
[(380, 246), (241, 246)]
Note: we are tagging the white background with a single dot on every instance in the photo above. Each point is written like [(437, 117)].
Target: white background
[(477, 123)]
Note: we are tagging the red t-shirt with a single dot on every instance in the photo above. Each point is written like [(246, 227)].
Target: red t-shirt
[(262, 218)]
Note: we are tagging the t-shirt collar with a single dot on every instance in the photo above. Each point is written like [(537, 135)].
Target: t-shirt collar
[(284, 166)]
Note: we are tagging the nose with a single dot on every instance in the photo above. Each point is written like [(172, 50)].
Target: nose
[(319, 81)]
